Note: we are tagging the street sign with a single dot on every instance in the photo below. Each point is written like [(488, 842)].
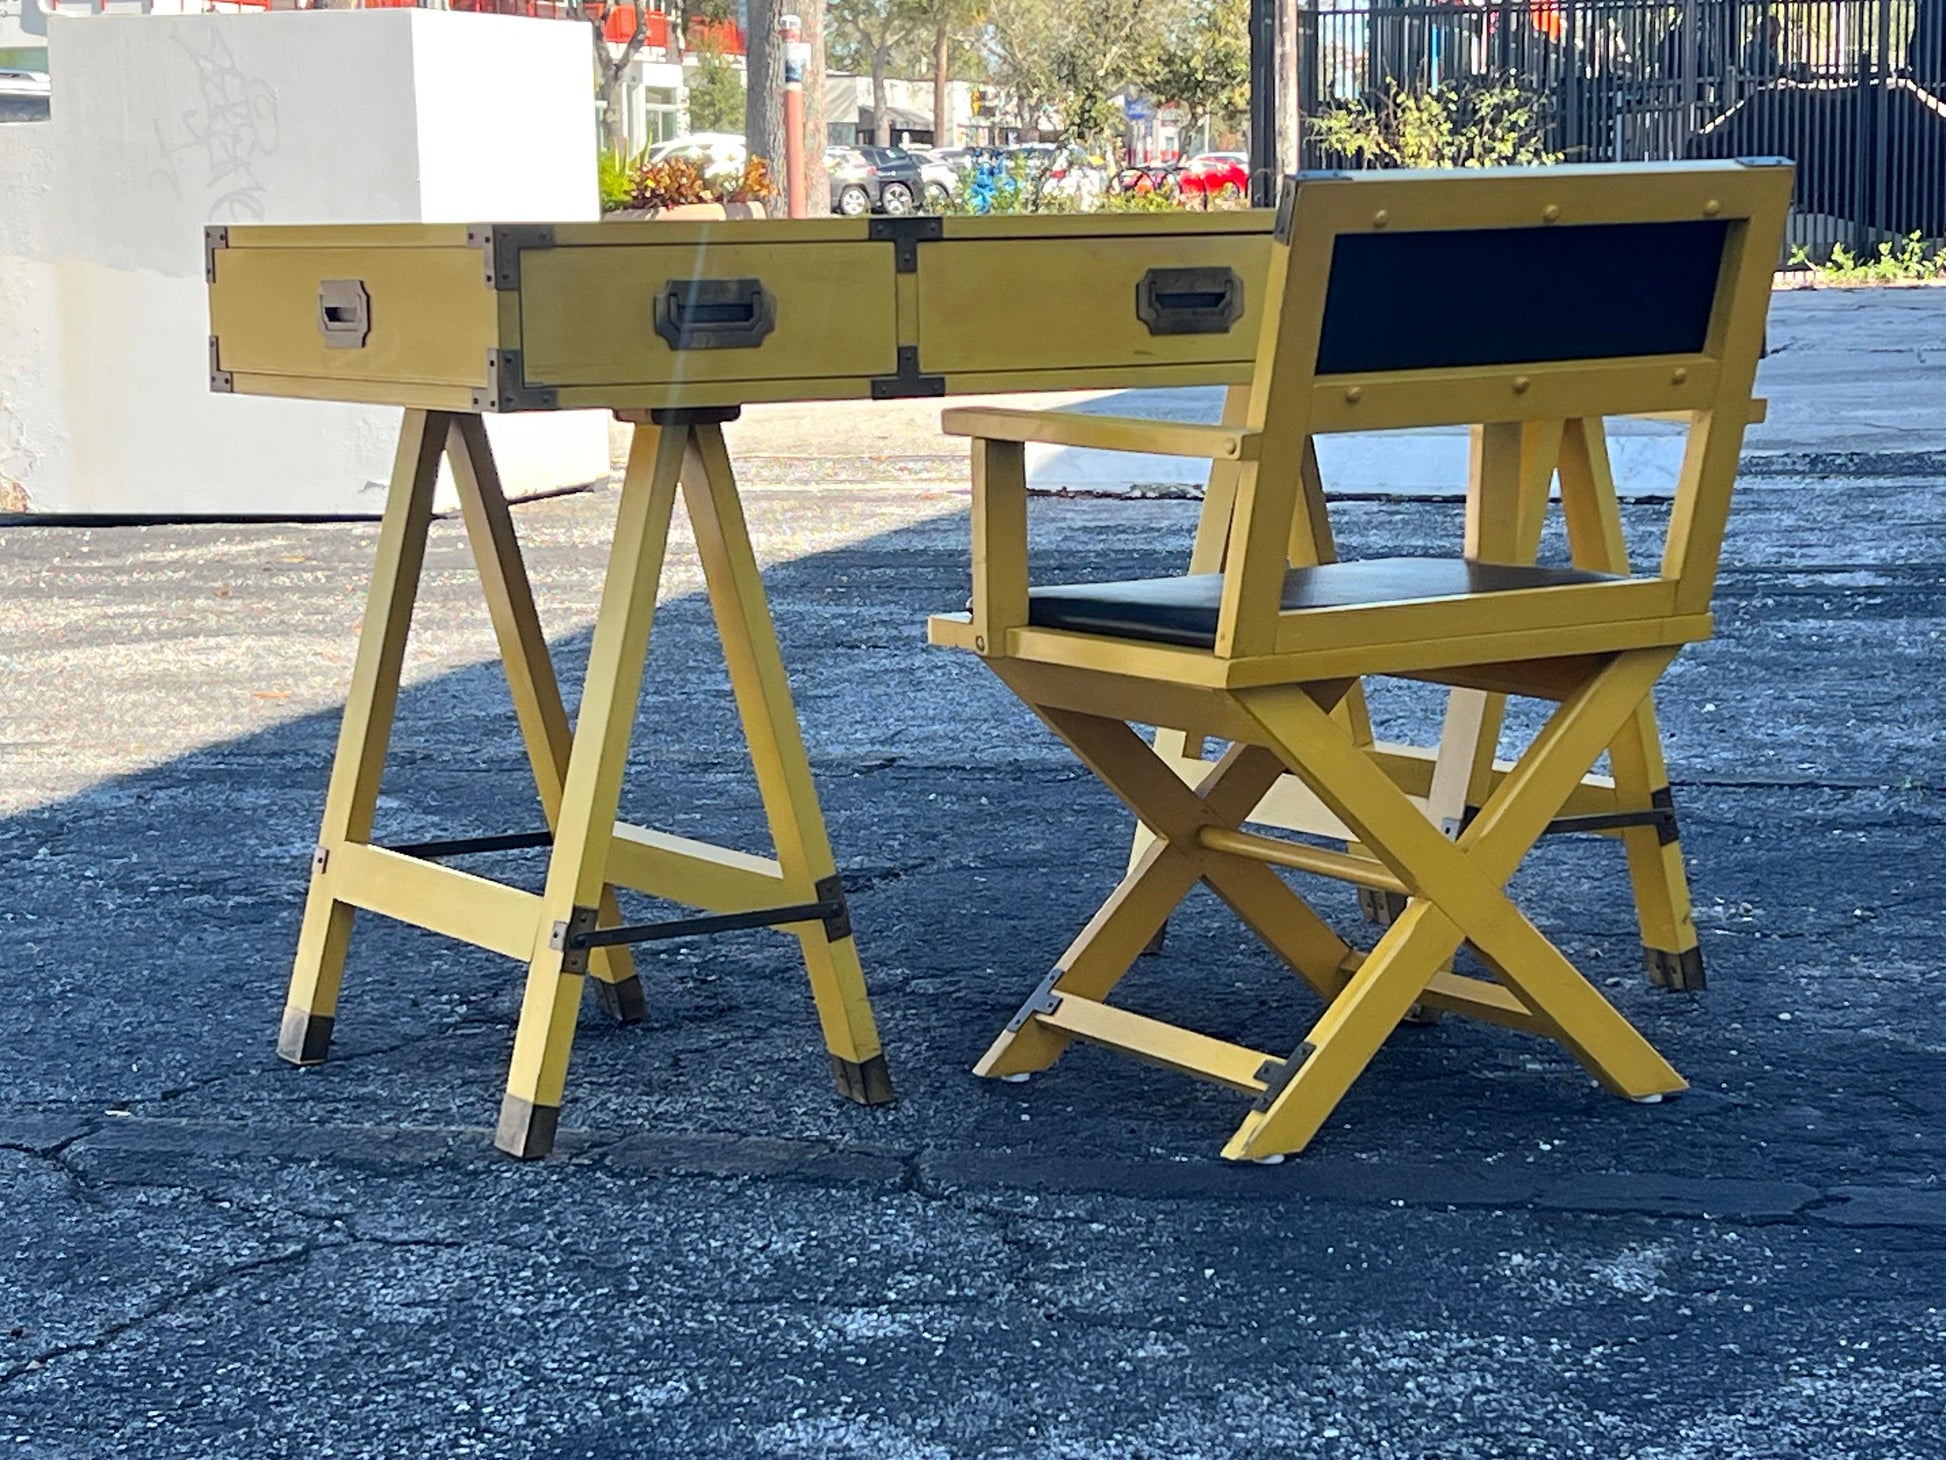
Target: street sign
[(1138, 110)]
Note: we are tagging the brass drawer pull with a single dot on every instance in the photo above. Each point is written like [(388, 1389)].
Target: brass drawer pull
[(344, 313), (1189, 301), (715, 314)]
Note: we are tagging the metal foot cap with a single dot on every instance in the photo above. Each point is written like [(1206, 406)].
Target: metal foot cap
[(526, 1129), (867, 1083), (305, 1037), (1682, 972), (622, 1000)]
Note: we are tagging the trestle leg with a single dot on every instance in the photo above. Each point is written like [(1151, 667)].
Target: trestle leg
[(536, 693), (363, 736)]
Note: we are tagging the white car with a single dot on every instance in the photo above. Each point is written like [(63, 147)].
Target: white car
[(715, 151), (23, 96), (938, 175)]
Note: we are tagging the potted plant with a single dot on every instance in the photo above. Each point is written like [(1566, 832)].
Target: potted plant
[(678, 187)]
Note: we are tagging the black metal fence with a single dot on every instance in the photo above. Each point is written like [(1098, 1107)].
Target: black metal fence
[(1853, 90)]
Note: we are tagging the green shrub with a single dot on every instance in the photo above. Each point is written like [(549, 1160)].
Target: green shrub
[(1906, 263), (1493, 122)]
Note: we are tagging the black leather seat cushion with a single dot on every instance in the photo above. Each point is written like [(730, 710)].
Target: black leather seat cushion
[(1183, 610)]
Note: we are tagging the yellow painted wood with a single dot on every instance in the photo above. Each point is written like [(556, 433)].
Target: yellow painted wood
[(1476, 616), (443, 900), (1157, 1043), (1466, 879), (1349, 1032), (1182, 750), (1647, 385), (1511, 472), (697, 874), (432, 320), (587, 314), (1476, 998), (783, 770), (1074, 298), (454, 397), (371, 701), (1656, 871), (592, 787), (999, 542), (1104, 433), (536, 694), (1359, 871)]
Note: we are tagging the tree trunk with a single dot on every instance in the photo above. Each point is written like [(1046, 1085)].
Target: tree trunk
[(763, 106), (1289, 120), (881, 108), (817, 133), (943, 132)]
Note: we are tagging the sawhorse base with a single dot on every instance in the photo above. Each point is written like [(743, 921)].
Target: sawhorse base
[(573, 929)]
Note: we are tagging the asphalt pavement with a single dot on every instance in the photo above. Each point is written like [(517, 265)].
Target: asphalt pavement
[(207, 1253)]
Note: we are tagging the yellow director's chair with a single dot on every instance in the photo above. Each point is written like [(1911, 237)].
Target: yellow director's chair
[(1394, 300)]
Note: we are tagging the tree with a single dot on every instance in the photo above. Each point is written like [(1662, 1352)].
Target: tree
[(817, 132), (1074, 57), (763, 57), (716, 99), (947, 25), (878, 28), (611, 65), (1203, 63)]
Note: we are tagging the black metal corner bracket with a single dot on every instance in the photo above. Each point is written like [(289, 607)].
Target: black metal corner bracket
[(1276, 1074), (905, 234), (502, 244), (1042, 1001), (507, 387), (908, 382), (220, 380), (215, 236)]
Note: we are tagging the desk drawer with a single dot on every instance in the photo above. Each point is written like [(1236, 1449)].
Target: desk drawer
[(1096, 302), (657, 314)]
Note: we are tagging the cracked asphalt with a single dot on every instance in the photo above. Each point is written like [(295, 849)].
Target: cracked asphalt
[(204, 1252)]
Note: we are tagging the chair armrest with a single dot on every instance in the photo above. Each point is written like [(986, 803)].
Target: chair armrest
[(1759, 413), (999, 543), (1104, 433)]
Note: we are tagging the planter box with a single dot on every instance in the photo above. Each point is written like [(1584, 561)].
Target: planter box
[(686, 211)]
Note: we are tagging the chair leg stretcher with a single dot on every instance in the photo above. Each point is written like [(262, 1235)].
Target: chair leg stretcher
[(573, 929)]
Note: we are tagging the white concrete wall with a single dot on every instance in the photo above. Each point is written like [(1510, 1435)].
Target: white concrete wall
[(164, 123)]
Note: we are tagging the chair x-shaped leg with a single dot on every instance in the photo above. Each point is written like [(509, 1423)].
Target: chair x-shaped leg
[(1455, 889)]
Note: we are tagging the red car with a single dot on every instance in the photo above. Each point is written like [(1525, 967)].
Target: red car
[(1210, 173)]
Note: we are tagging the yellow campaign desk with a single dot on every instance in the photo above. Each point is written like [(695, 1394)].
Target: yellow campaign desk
[(674, 326)]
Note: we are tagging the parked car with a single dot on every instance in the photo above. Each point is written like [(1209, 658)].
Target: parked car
[(939, 173), (873, 180), (1209, 174), (1070, 172), (23, 96)]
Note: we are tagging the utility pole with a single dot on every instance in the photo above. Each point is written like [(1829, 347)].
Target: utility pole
[(797, 55)]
